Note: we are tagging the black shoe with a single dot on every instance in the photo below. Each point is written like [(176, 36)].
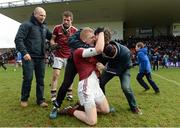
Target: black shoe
[(65, 111), (146, 89), (56, 104), (157, 91), (78, 106)]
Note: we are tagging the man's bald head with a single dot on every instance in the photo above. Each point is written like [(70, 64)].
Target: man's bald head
[(40, 14)]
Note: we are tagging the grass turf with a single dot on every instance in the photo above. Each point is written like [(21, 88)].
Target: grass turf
[(160, 110)]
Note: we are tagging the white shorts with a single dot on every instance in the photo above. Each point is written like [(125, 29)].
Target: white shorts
[(89, 91), (19, 61), (59, 62)]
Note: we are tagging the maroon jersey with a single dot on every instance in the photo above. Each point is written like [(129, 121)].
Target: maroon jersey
[(61, 39), (84, 66)]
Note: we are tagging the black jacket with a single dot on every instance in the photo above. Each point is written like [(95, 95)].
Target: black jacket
[(75, 42), (121, 62), (31, 38)]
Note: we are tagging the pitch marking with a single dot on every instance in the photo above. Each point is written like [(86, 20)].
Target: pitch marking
[(164, 78)]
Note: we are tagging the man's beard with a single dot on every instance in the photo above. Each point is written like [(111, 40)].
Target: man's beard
[(66, 26)]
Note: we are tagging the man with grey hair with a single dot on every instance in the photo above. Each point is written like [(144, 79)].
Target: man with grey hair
[(30, 42)]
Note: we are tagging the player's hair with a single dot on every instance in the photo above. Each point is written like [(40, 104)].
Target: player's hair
[(85, 33), (68, 14), (110, 51), (140, 45), (107, 35)]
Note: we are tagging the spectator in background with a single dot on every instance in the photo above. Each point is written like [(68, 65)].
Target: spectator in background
[(18, 60), (144, 68), (30, 41), (2, 62), (165, 61), (174, 57), (155, 61)]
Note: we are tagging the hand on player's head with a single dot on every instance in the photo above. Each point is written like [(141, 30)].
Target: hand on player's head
[(107, 33), (98, 30)]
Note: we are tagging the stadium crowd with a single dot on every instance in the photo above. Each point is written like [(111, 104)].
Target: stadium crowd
[(162, 46), (166, 46)]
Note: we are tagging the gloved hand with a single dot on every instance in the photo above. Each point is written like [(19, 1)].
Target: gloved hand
[(98, 30), (55, 46)]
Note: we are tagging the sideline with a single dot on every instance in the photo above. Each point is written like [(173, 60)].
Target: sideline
[(162, 77)]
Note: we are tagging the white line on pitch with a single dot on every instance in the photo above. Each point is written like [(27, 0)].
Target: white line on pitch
[(162, 77)]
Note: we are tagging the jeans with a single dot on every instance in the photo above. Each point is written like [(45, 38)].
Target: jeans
[(125, 86), (37, 65), (149, 78)]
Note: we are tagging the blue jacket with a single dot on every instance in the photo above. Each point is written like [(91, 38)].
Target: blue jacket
[(143, 61)]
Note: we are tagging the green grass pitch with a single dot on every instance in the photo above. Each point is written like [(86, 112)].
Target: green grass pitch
[(162, 110)]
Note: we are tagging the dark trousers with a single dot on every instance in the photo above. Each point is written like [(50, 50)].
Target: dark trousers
[(124, 83), (38, 66), (149, 78), (164, 64), (70, 73), (155, 65), (2, 64)]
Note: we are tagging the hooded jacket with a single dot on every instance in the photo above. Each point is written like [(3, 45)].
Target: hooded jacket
[(143, 61)]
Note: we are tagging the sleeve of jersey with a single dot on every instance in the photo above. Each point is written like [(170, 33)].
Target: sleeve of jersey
[(55, 32), (89, 52)]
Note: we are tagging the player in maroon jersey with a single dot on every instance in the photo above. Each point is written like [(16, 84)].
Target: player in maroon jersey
[(89, 92), (60, 36)]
